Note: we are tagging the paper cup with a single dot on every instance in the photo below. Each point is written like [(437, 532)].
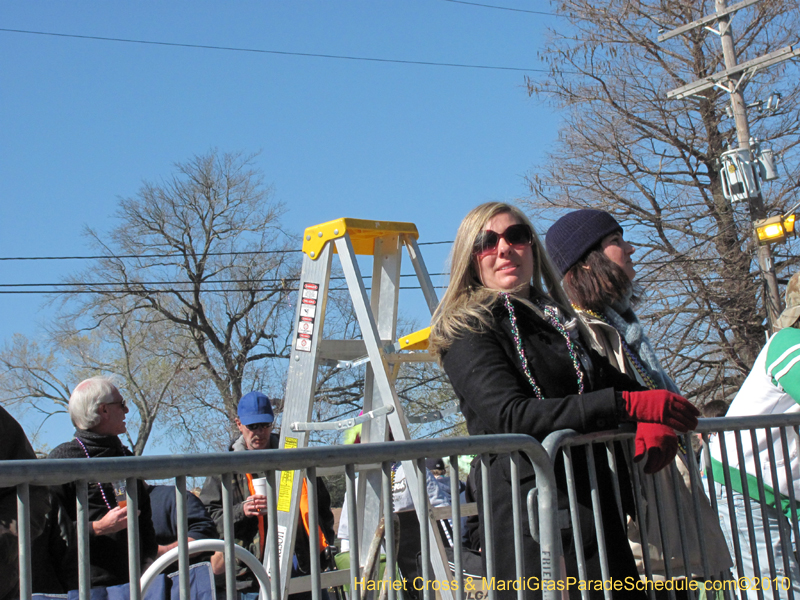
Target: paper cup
[(260, 486), (120, 488)]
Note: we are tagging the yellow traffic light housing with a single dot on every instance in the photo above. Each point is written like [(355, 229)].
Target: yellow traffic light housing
[(775, 229)]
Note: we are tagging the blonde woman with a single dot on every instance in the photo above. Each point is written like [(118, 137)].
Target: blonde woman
[(519, 363)]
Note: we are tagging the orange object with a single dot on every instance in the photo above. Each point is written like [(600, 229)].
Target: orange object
[(323, 543), (262, 527)]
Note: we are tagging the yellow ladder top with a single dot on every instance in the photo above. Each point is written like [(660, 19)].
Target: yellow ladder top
[(362, 233)]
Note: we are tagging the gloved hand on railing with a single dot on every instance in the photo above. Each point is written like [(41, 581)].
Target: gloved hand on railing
[(659, 442), (661, 406)]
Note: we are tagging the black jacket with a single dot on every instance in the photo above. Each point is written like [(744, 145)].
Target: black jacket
[(496, 397), (14, 445), (108, 553)]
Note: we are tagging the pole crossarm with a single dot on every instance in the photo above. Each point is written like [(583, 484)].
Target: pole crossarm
[(705, 20), (708, 82)]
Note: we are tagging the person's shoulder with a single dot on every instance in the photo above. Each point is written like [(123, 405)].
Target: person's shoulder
[(9, 426), (470, 341), (7, 421), (15, 444), (786, 335), (69, 449), (161, 492), (783, 348)]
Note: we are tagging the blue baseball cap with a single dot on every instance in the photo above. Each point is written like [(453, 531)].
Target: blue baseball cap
[(255, 407)]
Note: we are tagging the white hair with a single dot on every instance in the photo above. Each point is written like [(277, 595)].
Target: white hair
[(86, 398)]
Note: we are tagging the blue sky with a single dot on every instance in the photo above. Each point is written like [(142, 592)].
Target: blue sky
[(85, 121)]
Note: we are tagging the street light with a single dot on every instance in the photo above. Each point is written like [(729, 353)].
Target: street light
[(775, 229)]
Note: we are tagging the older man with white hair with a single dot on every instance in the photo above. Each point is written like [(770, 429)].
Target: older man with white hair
[(98, 410)]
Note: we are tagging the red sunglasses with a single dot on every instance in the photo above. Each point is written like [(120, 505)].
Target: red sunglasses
[(514, 235)]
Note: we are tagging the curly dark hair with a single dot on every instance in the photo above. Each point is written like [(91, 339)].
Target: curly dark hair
[(595, 282)]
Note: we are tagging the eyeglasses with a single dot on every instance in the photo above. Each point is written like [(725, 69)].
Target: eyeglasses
[(123, 403), (514, 235), (258, 426)]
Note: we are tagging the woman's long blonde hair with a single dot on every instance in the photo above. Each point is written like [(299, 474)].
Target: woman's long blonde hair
[(467, 304)]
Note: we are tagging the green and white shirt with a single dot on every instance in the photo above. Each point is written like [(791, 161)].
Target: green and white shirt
[(772, 387)]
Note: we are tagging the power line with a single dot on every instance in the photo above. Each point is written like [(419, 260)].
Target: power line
[(522, 10), (131, 292), (119, 256), (209, 282), (116, 256), (134, 292), (276, 52)]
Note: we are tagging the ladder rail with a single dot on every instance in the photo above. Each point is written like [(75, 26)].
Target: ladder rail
[(422, 272), (382, 302), (300, 387)]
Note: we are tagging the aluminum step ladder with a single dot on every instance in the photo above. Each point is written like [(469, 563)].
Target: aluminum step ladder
[(379, 348)]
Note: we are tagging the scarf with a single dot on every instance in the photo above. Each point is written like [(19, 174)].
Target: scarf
[(624, 320), (97, 445)]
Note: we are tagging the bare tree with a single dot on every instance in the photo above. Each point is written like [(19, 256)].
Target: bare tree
[(652, 162), (190, 305), (150, 378), (202, 252)]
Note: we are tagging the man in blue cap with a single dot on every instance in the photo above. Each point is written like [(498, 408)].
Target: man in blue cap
[(255, 420)]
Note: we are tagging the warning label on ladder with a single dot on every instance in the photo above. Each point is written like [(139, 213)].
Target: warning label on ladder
[(303, 342), (281, 543), (306, 325), (310, 290), (308, 310), (287, 480)]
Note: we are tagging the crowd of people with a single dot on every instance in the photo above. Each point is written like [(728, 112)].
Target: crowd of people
[(97, 410), (534, 338), (536, 341)]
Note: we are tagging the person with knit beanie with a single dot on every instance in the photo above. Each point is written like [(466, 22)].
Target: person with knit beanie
[(590, 251), (520, 361)]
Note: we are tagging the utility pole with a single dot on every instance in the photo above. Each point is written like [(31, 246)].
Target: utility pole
[(766, 264), (731, 80)]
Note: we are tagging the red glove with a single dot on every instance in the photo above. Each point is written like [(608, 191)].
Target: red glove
[(658, 442), (661, 406)]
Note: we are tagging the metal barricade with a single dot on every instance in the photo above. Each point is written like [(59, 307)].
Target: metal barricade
[(23, 474), (673, 517), (759, 517)]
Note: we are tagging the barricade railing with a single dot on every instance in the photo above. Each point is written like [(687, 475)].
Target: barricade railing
[(675, 506), (24, 474)]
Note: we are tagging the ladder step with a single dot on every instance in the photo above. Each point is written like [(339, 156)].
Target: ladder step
[(435, 415), (344, 423)]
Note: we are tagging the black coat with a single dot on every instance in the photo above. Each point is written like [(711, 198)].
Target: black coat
[(14, 445), (496, 397), (108, 553)]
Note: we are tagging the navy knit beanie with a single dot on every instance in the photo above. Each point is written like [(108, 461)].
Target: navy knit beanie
[(574, 234)]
